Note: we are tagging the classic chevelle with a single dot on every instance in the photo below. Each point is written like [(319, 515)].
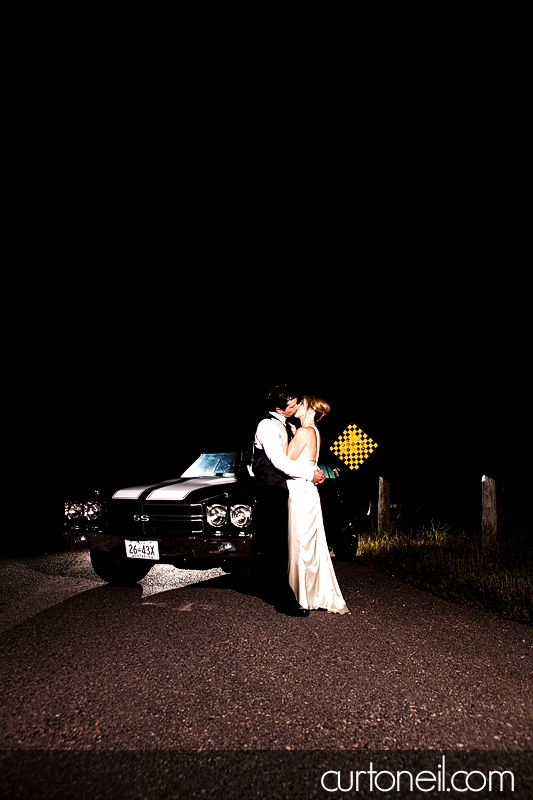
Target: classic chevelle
[(203, 519)]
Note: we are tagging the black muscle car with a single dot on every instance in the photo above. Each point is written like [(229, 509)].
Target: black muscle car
[(204, 518)]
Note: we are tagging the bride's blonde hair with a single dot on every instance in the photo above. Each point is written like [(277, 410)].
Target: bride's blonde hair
[(320, 407)]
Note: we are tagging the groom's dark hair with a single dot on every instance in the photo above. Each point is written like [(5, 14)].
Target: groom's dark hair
[(279, 396)]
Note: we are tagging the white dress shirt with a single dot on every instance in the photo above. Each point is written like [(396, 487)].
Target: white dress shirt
[(268, 437)]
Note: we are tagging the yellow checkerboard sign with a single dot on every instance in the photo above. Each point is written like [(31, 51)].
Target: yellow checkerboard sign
[(353, 446)]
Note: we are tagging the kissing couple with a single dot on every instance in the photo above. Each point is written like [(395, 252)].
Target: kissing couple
[(295, 566)]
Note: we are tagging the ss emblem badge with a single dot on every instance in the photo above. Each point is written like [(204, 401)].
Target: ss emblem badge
[(141, 518)]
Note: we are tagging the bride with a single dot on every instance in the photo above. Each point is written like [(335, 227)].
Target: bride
[(311, 573)]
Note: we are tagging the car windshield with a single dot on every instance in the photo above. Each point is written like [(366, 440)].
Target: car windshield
[(211, 464)]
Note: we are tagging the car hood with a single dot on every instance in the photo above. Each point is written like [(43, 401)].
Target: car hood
[(176, 489)]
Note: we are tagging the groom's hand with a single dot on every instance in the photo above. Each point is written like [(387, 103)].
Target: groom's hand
[(318, 477)]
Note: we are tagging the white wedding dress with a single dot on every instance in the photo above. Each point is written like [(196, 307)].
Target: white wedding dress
[(311, 574)]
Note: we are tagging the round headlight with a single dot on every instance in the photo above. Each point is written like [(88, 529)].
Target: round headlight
[(92, 510), (73, 510), (216, 515), (241, 516)]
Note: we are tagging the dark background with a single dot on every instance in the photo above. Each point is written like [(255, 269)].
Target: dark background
[(193, 260), (437, 382)]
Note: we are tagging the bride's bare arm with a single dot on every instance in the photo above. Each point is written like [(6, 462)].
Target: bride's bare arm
[(302, 439)]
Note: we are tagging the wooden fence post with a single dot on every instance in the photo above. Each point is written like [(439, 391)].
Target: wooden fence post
[(383, 505), (489, 513)]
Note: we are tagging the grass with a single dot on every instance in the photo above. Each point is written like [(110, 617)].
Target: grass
[(452, 564)]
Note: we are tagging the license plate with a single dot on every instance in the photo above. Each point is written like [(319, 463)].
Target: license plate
[(144, 549)]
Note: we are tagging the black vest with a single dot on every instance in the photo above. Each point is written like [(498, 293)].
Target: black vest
[(264, 470)]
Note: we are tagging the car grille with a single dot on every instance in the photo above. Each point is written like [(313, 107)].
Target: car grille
[(171, 520)]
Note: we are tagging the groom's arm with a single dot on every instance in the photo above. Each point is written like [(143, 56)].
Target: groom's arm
[(270, 440)]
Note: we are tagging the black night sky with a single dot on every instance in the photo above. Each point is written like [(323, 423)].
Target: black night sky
[(388, 280)]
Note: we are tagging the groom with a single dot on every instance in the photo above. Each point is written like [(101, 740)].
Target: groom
[(272, 467)]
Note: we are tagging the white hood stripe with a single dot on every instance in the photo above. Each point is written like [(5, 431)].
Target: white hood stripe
[(174, 491), (132, 492), (179, 491)]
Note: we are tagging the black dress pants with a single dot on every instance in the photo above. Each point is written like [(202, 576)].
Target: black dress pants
[(272, 544)]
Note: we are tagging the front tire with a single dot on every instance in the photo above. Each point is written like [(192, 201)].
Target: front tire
[(118, 570)]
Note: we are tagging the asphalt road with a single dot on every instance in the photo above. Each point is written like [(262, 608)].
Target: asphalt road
[(193, 662)]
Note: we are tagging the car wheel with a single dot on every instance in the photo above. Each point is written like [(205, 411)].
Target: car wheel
[(116, 569)]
